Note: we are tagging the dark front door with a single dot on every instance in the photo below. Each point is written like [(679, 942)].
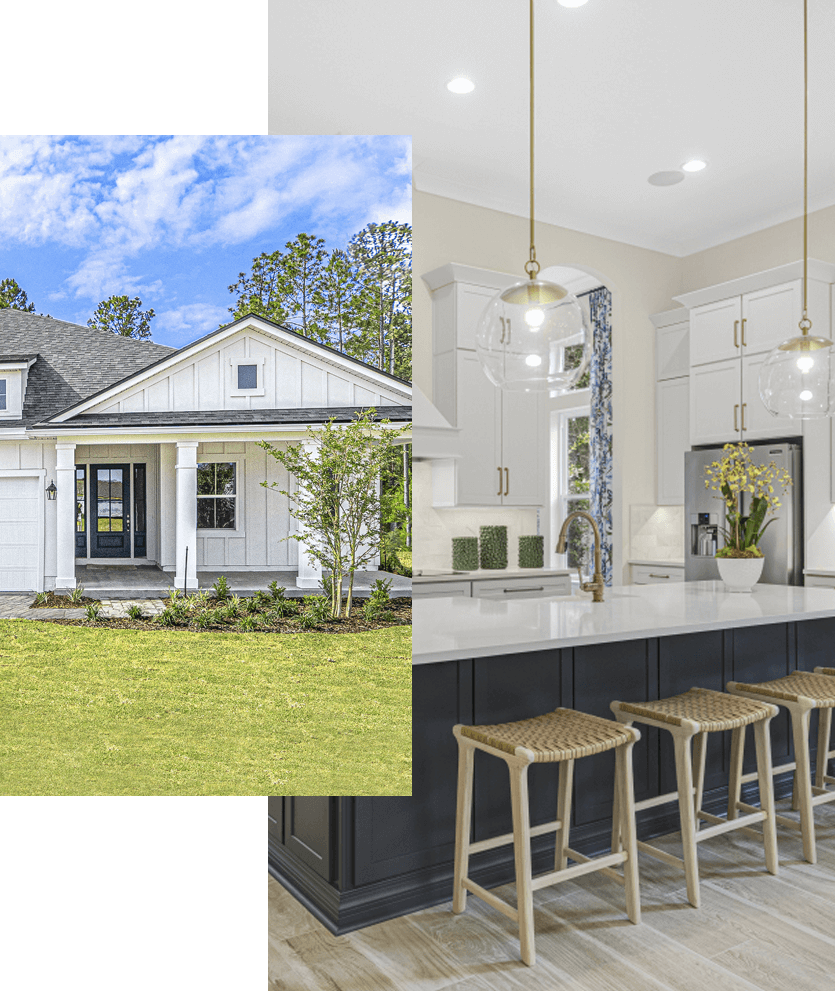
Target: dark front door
[(110, 504)]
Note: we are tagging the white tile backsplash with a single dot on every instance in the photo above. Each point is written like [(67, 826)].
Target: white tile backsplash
[(434, 528), (656, 533)]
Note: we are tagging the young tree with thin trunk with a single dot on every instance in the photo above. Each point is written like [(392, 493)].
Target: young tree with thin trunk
[(334, 299), (303, 266), (12, 297), (264, 290), (123, 316), (337, 501)]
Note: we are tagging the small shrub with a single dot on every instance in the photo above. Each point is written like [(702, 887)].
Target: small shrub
[(221, 587), (261, 599), (167, 617), (318, 607), (134, 612), (246, 624), (276, 591), (199, 601), (93, 611), (180, 609), (77, 594), (285, 607), (231, 610), (174, 594), (251, 605), (307, 621), (380, 592), (41, 598), (207, 619)]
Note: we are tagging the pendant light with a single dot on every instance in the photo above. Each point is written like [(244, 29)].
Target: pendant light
[(523, 333), (796, 379)]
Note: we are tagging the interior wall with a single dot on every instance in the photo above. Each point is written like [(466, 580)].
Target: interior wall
[(641, 281)]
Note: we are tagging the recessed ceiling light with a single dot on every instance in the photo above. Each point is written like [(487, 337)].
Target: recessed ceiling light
[(665, 178), (694, 165), (460, 85), (572, 3)]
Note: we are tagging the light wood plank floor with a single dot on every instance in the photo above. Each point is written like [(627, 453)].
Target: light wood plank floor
[(754, 932)]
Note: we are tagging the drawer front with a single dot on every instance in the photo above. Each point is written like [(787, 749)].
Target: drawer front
[(426, 590), (522, 588), (656, 575)]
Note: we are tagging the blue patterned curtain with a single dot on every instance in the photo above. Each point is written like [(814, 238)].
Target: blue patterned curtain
[(600, 425)]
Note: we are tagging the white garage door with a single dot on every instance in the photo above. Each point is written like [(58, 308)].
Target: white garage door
[(19, 529)]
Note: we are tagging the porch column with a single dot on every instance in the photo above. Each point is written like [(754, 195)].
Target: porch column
[(65, 515), (186, 524), (310, 572)]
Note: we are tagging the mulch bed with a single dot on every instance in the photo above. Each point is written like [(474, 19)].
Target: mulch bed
[(400, 614)]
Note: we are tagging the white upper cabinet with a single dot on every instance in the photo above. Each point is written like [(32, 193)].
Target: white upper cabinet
[(672, 347), (714, 331), (770, 316), (503, 437), (673, 438), (755, 420), (715, 402)]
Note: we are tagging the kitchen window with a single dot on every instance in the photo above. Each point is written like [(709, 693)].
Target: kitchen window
[(574, 484), (216, 496)]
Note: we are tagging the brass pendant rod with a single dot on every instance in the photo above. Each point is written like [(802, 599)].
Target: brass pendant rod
[(533, 266), (805, 323)]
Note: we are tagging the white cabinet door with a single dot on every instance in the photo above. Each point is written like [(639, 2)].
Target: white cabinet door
[(770, 316), (715, 402), (715, 331), (470, 302), (672, 410), (523, 448), (756, 421), (480, 480)]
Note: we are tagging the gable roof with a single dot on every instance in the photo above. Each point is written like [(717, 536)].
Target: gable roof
[(275, 330), (74, 362)]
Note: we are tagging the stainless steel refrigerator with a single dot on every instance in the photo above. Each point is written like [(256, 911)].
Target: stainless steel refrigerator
[(704, 513)]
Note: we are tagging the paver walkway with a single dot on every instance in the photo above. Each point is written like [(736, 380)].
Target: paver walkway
[(17, 607)]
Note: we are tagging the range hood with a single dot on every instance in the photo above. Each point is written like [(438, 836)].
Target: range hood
[(433, 436)]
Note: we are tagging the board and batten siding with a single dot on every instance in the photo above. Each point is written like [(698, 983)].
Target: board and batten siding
[(292, 379), (262, 519)]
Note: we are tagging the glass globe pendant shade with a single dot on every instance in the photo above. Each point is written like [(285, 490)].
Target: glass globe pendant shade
[(533, 337), (797, 378)]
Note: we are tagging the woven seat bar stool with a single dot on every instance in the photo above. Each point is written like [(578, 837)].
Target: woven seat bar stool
[(689, 718), (800, 692), (560, 736)]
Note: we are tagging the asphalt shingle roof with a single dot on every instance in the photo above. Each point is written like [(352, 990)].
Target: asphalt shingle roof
[(74, 362), (223, 417)]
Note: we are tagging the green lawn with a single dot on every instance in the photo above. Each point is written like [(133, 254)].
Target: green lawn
[(125, 712)]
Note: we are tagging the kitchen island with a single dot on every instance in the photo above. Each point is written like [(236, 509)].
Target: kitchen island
[(358, 860)]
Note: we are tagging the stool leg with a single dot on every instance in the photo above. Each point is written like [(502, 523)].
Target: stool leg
[(563, 814), (803, 779), (699, 755), (625, 808), (824, 731), (735, 774), (522, 853), (765, 779), (684, 776), (463, 817)]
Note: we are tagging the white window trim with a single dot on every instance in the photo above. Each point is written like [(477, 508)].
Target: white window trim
[(560, 496), (237, 530), (260, 389)]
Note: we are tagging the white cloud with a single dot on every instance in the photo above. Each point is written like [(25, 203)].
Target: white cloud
[(187, 323)]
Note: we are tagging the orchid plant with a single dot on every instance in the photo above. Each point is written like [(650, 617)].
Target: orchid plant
[(734, 475)]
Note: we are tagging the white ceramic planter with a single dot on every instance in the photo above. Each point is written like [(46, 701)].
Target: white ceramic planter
[(740, 574)]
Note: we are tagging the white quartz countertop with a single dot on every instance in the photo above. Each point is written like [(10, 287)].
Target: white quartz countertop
[(483, 573), (448, 629)]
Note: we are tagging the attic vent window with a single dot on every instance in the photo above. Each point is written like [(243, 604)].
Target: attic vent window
[(247, 376), (2, 393)]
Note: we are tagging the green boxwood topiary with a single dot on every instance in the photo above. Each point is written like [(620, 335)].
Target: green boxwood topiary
[(493, 546), (531, 551), (464, 553)]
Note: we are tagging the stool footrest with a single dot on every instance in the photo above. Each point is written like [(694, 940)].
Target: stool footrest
[(651, 803), (782, 769), (581, 858), (590, 865), (491, 899), (668, 858), (507, 838), (726, 825)]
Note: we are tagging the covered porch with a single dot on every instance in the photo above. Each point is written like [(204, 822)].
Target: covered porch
[(148, 581)]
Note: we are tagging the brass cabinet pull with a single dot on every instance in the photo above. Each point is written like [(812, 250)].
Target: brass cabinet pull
[(736, 413), (500, 482), (736, 330), (743, 415), (743, 332), (506, 481), (658, 576), (526, 588)]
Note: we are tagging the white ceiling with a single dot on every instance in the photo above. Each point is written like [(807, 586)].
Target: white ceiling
[(625, 88)]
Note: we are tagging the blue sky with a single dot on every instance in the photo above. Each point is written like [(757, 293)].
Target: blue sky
[(174, 219)]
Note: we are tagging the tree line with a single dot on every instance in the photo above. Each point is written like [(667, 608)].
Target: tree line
[(357, 300)]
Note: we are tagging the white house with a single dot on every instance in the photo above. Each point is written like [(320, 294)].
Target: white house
[(114, 450)]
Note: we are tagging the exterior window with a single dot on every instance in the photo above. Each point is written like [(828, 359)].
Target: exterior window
[(216, 495), (247, 376), (2, 393), (574, 483)]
